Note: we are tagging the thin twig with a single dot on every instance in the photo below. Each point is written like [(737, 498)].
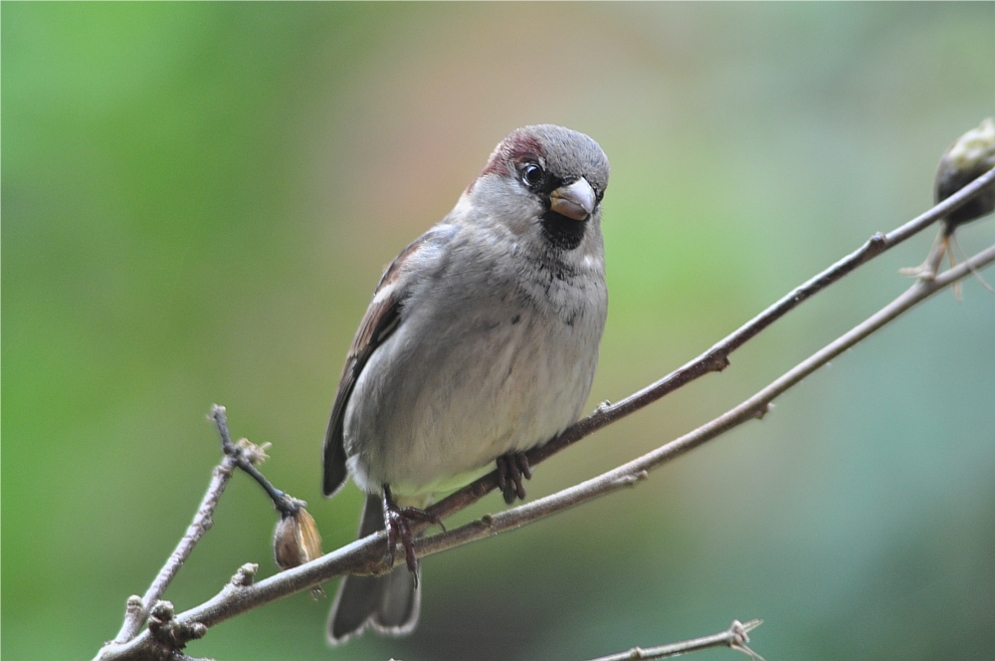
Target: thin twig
[(754, 407), (717, 358), (138, 608), (282, 501), (367, 554), (735, 637)]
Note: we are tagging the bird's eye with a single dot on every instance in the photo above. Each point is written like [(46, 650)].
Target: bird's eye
[(532, 174)]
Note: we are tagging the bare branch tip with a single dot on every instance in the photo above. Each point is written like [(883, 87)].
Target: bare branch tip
[(740, 638), (173, 634), (747, 651), (747, 626), (245, 575), (220, 419), (135, 604)]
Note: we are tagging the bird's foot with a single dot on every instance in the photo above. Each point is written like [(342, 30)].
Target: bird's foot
[(397, 521), (921, 272), (512, 467), (931, 265)]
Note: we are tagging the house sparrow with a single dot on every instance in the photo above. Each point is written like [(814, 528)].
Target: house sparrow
[(481, 342), (969, 157)]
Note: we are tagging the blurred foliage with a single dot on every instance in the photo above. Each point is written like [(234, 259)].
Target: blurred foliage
[(197, 200)]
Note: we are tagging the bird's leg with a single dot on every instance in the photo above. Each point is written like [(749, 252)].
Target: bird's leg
[(512, 467), (945, 244), (927, 270), (396, 521)]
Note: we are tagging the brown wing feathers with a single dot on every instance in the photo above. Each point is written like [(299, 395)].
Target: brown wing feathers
[(381, 319)]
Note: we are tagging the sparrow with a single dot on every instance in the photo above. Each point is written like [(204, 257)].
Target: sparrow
[(969, 157), (480, 343)]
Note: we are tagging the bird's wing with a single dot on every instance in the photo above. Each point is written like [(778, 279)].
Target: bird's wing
[(382, 318)]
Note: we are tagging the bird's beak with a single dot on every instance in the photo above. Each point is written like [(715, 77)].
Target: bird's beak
[(574, 201)]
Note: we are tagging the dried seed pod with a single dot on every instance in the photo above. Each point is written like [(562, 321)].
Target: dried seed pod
[(296, 539)]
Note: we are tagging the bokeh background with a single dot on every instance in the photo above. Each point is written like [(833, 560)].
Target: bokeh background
[(197, 200)]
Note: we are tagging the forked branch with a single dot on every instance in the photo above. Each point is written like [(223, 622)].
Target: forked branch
[(735, 637), (367, 555)]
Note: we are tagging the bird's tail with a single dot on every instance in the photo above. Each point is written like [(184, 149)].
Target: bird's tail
[(388, 603)]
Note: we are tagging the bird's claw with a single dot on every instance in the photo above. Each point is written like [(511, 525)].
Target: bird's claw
[(921, 272), (512, 467), (931, 265), (397, 522)]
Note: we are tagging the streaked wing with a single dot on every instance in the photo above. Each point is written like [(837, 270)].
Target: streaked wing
[(381, 319)]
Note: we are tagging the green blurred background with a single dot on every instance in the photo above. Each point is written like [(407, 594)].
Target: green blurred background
[(198, 199)]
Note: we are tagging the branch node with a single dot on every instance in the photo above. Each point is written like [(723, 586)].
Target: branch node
[(718, 360), (631, 480), (877, 243), (715, 359), (169, 631), (162, 611), (254, 454), (225, 468), (246, 456), (739, 631), (245, 575)]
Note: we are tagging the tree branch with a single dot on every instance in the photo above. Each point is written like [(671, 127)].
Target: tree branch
[(137, 609), (367, 555), (735, 637), (754, 407), (246, 456), (241, 455), (716, 358)]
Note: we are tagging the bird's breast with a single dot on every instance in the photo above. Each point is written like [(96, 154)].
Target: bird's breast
[(464, 381)]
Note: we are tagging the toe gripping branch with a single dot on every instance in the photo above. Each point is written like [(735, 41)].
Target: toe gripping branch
[(512, 467), (397, 522)]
